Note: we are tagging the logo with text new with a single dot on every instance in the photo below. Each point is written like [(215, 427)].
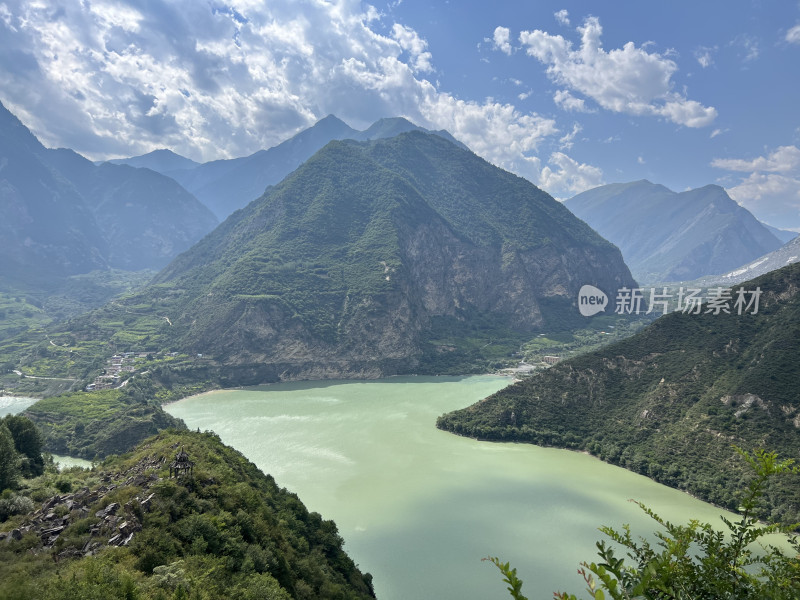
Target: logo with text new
[(591, 300)]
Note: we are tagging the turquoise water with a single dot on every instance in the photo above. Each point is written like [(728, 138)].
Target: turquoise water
[(12, 405), (418, 508), (65, 462)]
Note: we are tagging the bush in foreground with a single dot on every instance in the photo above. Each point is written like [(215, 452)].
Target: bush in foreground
[(696, 560)]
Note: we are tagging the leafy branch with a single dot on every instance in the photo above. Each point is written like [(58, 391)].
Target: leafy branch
[(695, 560)]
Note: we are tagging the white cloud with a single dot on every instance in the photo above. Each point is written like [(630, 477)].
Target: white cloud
[(703, 56), (717, 132), (568, 102), (568, 174), (410, 41), (773, 198), (568, 139), (749, 46), (640, 160), (562, 16), (785, 159), (6, 17), (771, 189), (793, 35), (501, 39), (212, 81), (626, 80)]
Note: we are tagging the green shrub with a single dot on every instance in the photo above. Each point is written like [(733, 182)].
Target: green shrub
[(695, 560)]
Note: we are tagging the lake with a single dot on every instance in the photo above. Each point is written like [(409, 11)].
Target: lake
[(12, 405), (417, 507)]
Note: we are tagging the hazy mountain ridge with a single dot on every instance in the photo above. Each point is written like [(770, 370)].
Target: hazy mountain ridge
[(671, 401), (670, 236), (229, 184), (787, 254), (161, 161), (784, 235), (65, 216), (343, 269)]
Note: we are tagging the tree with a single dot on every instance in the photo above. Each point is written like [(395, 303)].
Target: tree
[(695, 560), (9, 469), (28, 442)]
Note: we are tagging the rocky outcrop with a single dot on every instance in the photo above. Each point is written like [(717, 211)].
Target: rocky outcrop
[(109, 523)]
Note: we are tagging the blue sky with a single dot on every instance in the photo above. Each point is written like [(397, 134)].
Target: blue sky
[(567, 94)]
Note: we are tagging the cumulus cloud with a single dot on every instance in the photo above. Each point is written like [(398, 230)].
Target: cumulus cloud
[(562, 16), (501, 39), (410, 41), (793, 35), (771, 189), (626, 80), (568, 102), (117, 78), (785, 159), (565, 173)]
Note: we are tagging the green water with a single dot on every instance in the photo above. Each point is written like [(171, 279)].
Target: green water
[(418, 508), (12, 405), (65, 462)]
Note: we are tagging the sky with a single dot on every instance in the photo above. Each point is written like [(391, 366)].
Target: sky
[(569, 95)]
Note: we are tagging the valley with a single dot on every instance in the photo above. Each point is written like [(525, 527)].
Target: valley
[(399, 331)]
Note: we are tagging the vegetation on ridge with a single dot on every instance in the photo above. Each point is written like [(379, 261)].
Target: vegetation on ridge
[(671, 401), (405, 255), (126, 529)]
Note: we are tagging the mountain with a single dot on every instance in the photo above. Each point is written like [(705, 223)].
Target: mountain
[(147, 217), (386, 128), (227, 185), (65, 216), (376, 258), (673, 400), (134, 528), (785, 255), (160, 161), (784, 235), (669, 236), (47, 231)]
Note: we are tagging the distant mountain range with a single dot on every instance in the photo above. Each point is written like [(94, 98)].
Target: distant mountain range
[(671, 236), (161, 161), (228, 185), (375, 258), (784, 235), (64, 216), (672, 401), (785, 255)]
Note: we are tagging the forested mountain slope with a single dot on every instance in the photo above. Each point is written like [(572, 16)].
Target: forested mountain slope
[(673, 400)]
